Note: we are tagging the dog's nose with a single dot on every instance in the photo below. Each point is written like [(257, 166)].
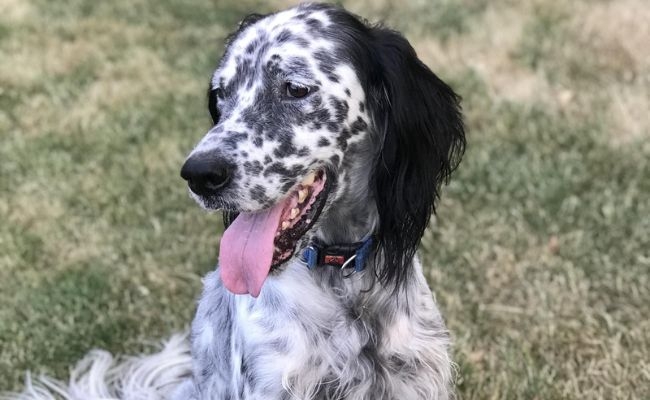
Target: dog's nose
[(206, 174)]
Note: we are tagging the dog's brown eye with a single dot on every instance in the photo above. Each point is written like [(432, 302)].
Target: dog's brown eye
[(296, 91)]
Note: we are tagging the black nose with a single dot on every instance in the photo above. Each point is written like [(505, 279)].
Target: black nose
[(206, 174)]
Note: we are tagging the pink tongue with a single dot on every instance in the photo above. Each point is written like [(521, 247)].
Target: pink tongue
[(246, 250)]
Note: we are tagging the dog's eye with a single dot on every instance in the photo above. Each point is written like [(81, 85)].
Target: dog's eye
[(296, 91)]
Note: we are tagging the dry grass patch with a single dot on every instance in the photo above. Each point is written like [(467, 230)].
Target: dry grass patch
[(15, 10), (618, 32), (619, 24), (487, 50), (113, 85)]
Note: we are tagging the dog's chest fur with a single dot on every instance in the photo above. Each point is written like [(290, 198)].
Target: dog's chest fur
[(302, 339)]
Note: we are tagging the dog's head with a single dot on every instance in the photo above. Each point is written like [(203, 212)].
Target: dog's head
[(314, 109)]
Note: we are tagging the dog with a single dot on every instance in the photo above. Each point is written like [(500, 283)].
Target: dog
[(330, 143)]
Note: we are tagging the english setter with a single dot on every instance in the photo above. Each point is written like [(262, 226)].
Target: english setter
[(330, 143)]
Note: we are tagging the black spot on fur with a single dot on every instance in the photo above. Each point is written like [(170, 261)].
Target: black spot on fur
[(341, 108), (315, 100), (301, 42), (273, 66), (279, 168), (347, 92), (314, 24), (358, 126), (320, 115), (335, 160), (258, 193), (253, 168), (298, 170), (303, 152), (326, 63), (252, 46), (285, 149), (299, 64), (233, 139), (287, 185), (317, 117), (323, 142), (263, 48), (342, 140), (284, 36), (258, 141)]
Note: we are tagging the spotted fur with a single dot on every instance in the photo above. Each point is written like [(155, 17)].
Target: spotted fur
[(389, 132)]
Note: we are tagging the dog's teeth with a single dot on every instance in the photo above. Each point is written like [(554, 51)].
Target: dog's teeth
[(294, 213), (309, 179), (302, 195), (285, 224)]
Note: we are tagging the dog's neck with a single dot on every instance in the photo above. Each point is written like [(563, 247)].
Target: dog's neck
[(352, 215), (351, 218), (348, 227)]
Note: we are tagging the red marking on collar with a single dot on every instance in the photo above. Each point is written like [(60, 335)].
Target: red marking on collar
[(336, 260)]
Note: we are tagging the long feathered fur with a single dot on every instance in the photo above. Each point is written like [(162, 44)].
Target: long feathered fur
[(101, 376)]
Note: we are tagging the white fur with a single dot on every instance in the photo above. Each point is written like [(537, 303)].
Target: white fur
[(320, 343), (100, 376)]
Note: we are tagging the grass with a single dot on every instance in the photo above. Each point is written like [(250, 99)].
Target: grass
[(540, 256)]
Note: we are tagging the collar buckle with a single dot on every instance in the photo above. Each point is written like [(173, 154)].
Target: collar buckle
[(341, 256)]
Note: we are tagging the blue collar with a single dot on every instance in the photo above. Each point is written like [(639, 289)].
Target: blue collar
[(337, 255)]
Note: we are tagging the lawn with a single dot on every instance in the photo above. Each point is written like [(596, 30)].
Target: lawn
[(539, 256)]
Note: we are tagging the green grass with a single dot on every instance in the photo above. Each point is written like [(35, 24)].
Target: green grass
[(540, 257)]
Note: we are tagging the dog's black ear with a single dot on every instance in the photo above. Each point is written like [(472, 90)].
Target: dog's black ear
[(419, 120)]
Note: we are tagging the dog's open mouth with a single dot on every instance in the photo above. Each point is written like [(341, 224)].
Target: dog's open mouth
[(300, 213), (257, 241)]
